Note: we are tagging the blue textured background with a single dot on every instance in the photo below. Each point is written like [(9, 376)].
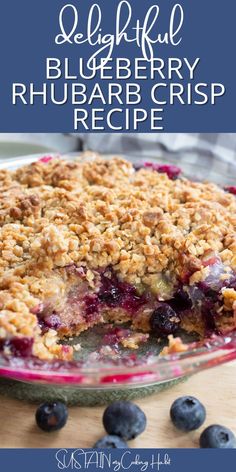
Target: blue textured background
[(27, 32), (193, 460)]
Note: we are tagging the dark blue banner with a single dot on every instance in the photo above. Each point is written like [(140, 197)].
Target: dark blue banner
[(133, 460), (117, 66)]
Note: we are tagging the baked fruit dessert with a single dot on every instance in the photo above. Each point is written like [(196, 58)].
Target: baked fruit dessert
[(100, 241)]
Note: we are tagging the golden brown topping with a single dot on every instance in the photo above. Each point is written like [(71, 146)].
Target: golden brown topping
[(152, 230)]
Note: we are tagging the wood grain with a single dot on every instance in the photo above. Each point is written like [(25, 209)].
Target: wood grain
[(216, 388)]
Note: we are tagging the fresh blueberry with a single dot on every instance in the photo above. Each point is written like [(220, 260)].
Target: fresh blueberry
[(216, 436), (187, 413), (51, 416), (124, 419), (164, 320), (110, 442)]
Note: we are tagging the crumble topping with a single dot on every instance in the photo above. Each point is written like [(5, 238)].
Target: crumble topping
[(175, 346), (88, 215)]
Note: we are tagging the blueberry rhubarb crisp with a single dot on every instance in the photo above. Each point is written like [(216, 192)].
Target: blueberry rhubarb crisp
[(102, 241)]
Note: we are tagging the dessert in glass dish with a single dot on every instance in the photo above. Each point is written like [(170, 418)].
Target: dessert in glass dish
[(105, 242)]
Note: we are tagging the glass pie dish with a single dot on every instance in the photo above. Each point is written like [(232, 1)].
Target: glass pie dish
[(123, 369)]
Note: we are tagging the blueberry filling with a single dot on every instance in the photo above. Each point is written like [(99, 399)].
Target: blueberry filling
[(231, 283), (115, 335), (111, 297), (206, 300), (231, 189), (45, 159), (164, 321), (209, 294), (51, 321), (181, 301), (114, 293), (73, 269), (172, 171), (47, 319), (202, 299), (208, 316), (18, 346), (91, 302)]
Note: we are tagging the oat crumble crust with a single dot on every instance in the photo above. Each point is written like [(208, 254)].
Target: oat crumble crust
[(100, 213)]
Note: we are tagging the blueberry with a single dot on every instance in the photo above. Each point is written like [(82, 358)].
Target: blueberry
[(187, 413), (124, 419), (51, 416), (164, 320), (52, 321), (110, 297), (110, 442), (216, 436), (181, 301)]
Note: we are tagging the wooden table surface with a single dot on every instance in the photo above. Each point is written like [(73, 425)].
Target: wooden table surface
[(216, 388)]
